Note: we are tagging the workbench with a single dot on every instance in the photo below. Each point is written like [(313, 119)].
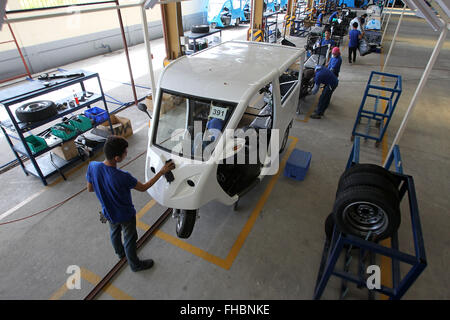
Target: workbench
[(197, 36)]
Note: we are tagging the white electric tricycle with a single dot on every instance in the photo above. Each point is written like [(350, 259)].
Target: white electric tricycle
[(223, 116)]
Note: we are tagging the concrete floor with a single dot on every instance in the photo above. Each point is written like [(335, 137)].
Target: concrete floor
[(271, 247)]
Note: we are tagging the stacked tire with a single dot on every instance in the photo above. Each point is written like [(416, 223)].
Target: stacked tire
[(367, 203)]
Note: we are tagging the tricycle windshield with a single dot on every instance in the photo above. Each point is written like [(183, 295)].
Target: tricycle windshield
[(190, 126)]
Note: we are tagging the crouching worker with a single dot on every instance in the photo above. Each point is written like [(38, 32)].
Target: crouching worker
[(323, 76), (335, 62), (112, 187)]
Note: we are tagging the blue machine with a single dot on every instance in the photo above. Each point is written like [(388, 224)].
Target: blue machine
[(271, 5), (283, 4), (222, 13)]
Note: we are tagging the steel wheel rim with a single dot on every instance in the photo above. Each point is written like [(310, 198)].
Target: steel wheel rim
[(363, 217)]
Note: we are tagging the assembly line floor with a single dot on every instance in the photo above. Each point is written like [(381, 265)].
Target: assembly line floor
[(270, 248)]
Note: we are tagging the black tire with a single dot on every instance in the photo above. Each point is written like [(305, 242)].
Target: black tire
[(376, 180), (202, 28), (185, 223), (285, 139), (370, 168), (329, 225), (358, 210), (36, 111), (238, 20)]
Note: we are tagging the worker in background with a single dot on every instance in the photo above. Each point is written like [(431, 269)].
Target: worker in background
[(112, 187), (360, 21), (334, 15), (320, 18), (354, 36), (335, 62), (327, 40), (330, 81)]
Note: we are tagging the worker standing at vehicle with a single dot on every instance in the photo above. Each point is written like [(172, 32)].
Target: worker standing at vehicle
[(320, 18), (112, 187), (333, 16), (328, 78), (335, 62), (353, 41)]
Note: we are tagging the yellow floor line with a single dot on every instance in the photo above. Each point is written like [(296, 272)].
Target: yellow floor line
[(225, 263), (310, 111), (94, 279), (59, 293), (113, 291), (256, 211)]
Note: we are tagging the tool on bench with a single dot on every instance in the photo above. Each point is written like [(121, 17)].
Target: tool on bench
[(46, 76)]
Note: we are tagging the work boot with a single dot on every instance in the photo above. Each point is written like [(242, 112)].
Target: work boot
[(145, 264), (315, 116)]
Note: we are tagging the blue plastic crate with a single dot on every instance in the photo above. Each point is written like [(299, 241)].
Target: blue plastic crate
[(97, 114), (297, 165)]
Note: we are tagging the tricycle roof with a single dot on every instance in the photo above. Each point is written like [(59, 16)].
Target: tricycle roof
[(226, 71)]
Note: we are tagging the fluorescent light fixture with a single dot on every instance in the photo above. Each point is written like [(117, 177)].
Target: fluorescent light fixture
[(424, 11)]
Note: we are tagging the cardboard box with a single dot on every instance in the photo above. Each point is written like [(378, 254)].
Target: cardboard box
[(121, 126), (169, 102), (67, 151)]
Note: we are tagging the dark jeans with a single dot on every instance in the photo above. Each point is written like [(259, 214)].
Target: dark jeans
[(352, 51), (130, 237), (324, 99)]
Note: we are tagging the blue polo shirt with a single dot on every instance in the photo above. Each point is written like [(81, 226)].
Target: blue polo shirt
[(325, 42), (113, 189), (353, 37), (335, 64), (327, 77)]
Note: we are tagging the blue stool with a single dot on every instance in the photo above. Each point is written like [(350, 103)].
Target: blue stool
[(297, 165)]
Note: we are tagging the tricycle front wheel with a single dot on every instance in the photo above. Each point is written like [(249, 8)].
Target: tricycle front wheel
[(185, 223)]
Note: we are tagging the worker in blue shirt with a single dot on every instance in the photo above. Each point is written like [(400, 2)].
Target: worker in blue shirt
[(335, 62), (319, 18), (112, 186), (354, 36), (327, 40), (326, 77), (333, 15)]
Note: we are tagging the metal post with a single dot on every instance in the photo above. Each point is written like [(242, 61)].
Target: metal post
[(387, 22), (419, 89), (125, 46), (149, 52), (394, 38), (382, 12)]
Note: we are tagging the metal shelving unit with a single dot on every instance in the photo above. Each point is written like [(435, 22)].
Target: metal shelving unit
[(46, 164)]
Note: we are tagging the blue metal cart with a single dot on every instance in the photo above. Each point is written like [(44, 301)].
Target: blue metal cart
[(378, 93), (334, 247)]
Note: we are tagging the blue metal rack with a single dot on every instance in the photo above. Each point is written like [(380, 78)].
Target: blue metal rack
[(377, 92), (333, 247)]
